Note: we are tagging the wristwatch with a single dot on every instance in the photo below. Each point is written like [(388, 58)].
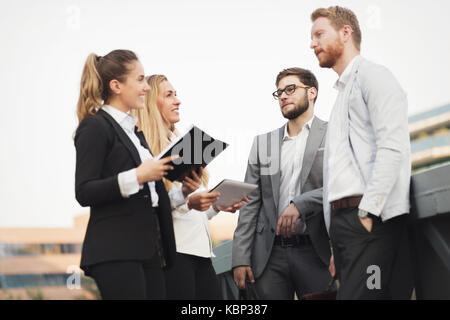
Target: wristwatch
[(362, 213)]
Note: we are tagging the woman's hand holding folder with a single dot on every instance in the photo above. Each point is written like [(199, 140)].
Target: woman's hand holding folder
[(153, 170), (192, 182)]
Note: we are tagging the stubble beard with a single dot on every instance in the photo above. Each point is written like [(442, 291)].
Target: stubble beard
[(331, 54)]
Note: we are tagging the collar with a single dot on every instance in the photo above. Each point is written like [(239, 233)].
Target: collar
[(172, 136), (124, 119), (345, 76), (307, 125)]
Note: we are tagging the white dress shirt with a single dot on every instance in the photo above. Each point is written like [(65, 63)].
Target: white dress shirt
[(344, 179), (128, 182), (292, 151), (191, 227)]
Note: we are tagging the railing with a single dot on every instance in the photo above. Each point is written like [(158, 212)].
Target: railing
[(425, 260)]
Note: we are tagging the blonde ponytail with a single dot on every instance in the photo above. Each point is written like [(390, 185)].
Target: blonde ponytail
[(97, 74), (90, 89)]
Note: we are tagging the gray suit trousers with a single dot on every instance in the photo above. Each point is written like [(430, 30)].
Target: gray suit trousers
[(292, 270)]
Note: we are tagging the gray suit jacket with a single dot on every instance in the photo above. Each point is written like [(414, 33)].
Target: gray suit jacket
[(255, 233)]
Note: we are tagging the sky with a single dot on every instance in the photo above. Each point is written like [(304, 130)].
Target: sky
[(222, 57)]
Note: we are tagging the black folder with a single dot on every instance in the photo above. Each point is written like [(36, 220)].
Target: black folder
[(195, 149)]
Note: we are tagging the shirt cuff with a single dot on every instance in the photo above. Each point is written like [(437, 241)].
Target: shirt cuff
[(372, 206), (128, 183), (177, 198), (180, 211), (211, 212)]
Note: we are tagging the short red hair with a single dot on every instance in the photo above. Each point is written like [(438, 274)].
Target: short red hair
[(339, 17)]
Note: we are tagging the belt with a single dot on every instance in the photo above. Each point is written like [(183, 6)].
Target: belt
[(294, 241), (344, 203)]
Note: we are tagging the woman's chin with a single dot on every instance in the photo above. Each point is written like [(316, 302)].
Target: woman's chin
[(139, 106), (175, 119)]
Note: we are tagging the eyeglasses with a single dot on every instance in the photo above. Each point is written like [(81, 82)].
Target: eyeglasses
[(289, 89)]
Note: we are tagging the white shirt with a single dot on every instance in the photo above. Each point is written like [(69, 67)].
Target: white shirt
[(292, 151), (344, 179), (128, 182), (191, 227)]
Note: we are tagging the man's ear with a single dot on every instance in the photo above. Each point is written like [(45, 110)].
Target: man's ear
[(115, 86), (346, 32), (312, 93)]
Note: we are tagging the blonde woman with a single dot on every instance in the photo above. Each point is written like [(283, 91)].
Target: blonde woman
[(192, 275), (129, 237)]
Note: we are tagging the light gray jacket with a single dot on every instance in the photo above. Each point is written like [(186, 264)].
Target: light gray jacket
[(376, 123)]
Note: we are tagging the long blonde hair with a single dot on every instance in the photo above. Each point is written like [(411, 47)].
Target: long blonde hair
[(97, 73), (156, 129)]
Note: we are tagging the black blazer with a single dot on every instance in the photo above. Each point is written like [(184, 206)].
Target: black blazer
[(119, 228)]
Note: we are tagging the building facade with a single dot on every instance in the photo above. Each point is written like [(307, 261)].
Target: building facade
[(430, 138), (43, 263)]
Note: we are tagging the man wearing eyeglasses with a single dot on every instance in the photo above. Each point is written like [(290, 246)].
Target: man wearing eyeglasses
[(367, 163), (281, 244)]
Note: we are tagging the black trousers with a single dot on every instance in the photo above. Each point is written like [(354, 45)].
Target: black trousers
[(192, 277), (130, 280), (364, 260)]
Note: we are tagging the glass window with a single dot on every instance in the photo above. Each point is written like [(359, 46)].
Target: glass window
[(19, 249)]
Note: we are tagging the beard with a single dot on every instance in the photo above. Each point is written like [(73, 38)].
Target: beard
[(331, 54), (299, 109)]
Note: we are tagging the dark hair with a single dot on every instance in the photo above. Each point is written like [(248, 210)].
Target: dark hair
[(97, 74), (305, 76)]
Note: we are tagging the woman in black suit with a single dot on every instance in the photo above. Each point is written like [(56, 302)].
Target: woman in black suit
[(129, 237)]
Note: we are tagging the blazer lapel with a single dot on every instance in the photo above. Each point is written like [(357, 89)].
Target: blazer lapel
[(346, 114), (141, 137), (347, 92), (123, 137), (275, 143), (315, 137)]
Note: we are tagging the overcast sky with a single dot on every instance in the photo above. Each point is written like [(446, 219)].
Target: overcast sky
[(221, 56)]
